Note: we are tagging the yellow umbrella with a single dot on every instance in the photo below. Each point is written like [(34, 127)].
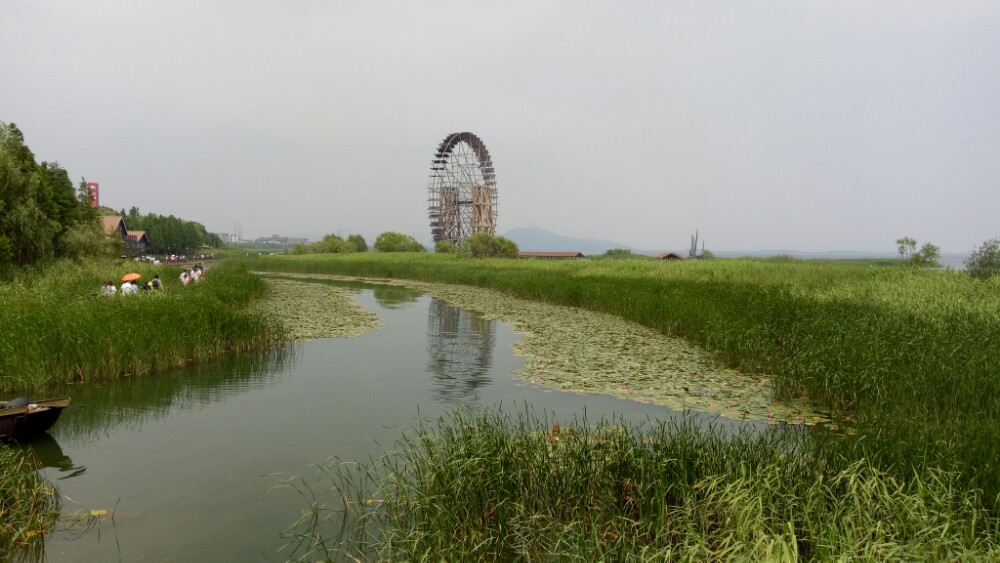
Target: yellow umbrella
[(131, 277)]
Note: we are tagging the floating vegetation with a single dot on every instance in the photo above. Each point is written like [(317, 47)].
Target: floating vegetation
[(580, 351), (312, 310)]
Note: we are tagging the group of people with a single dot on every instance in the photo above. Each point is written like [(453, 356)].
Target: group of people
[(130, 287), (195, 274)]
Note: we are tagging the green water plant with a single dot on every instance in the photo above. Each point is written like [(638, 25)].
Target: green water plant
[(29, 505), (488, 486)]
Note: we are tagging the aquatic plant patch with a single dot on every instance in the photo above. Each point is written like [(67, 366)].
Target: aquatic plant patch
[(580, 351), (485, 485), (311, 310)]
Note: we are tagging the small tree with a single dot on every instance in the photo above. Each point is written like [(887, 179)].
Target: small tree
[(390, 241), (333, 244), (906, 247), (359, 243), (927, 256), (984, 261)]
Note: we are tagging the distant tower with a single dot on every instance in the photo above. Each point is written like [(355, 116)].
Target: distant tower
[(462, 192), (93, 194)]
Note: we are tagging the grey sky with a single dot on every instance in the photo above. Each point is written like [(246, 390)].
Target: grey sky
[(791, 124)]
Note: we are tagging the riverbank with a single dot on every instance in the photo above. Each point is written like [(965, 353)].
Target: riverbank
[(57, 328)]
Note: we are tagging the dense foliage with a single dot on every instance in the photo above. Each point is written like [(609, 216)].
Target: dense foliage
[(485, 245), (169, 234), (445, 247), (390, 241), (985, 260), (359, 242), (332, 244), (41, 215)]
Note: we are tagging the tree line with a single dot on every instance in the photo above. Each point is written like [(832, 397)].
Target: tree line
[(42, 215), (168, 233)]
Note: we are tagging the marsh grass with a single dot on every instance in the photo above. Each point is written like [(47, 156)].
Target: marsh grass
[(56, 328), (485, 485), (906, 357), (29, 506)]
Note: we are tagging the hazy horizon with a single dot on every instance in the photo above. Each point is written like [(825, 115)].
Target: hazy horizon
[(787, 125)]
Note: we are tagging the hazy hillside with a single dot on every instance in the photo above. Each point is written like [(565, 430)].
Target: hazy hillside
[(534, 239)]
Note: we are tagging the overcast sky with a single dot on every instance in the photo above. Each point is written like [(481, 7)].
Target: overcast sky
[(779, 124)]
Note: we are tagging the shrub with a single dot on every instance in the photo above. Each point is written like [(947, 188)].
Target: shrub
[(485, 245), (390, 241), (445, 247), (333, 244), (985, 260)]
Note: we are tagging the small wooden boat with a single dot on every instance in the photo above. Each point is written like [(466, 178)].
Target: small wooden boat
[(25, 420)]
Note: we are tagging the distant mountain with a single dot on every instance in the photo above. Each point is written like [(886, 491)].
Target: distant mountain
[(534, 239)]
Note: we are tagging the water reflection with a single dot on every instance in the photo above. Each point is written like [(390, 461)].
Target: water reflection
[(393, 297), (50, 454), (132, 402), (460, 346)]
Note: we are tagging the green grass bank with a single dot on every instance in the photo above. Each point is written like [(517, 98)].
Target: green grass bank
[(56, 327)]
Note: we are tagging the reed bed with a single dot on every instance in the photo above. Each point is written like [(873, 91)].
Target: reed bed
[(55, 327), (906, 358), (486, 486), (29, 506)]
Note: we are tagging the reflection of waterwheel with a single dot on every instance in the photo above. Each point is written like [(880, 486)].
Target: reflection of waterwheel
[(462, 193), (461, 351)]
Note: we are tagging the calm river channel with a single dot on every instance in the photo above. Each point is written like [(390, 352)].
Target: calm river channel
[(188, 461)]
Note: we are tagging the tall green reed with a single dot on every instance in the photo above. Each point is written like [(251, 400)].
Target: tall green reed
[(29, 506), (485, 485), (55, 327)]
